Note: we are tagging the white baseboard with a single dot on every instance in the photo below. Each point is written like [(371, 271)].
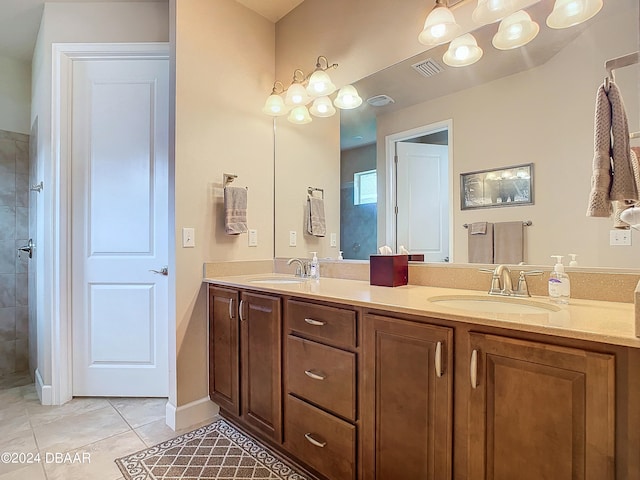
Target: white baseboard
[(45, 392), (192, 413)]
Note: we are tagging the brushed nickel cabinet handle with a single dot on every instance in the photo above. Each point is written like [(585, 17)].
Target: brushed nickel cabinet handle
[(231, 308), (313, 441), (439, 359), (313, 375), (311, 321), (473, 369), (240, 309)]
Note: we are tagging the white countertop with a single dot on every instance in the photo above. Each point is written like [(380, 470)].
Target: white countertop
[(604, 322)]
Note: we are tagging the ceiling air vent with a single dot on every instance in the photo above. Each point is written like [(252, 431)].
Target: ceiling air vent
[(380, 100), (428, 67)]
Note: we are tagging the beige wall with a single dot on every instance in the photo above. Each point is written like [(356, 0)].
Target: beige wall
[(308, 156), (73, 23), (544, 116), (224, 72), (15, 95)]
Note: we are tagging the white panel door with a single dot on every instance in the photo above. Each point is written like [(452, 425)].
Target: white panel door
[(422, 221), (119, 227)]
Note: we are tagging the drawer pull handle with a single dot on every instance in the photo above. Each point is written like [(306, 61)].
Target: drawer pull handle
[(313, 441), (473, 369), (439, 359), (315, 376), (311, 321), (231, 308)]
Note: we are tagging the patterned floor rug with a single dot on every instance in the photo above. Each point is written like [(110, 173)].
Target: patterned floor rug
[(218, 451)]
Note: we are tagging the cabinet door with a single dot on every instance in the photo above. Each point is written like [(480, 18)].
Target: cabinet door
[(539, 411), (260, 319), (224, 375), (407, 400)]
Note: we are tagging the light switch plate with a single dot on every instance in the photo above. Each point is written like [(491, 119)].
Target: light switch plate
[(333, 242), (293, 238), (253, 238), (188, 237), (620, 237)]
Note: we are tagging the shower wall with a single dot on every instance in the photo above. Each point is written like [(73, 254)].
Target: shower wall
[(14, 232)]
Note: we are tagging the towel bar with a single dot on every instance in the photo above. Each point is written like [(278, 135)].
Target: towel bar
[(526, 223), (310, 191)]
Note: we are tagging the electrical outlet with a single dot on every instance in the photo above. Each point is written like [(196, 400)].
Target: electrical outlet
[(334, 240), (293, 238), (253, 238), (188, 237), (620, 237)]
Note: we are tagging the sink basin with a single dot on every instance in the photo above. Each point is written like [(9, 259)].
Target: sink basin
[(489, 304), (278, 280)]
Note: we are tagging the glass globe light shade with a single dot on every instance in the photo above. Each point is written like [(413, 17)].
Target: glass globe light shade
[(462, 51), (274, 106), (439, 27), (299, 115), (348, 98), (322, 107), (320, 84), (515, 31), (296, 95), (489, 11), (567, 13)]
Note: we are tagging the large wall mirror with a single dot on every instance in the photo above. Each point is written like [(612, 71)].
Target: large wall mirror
[(533, 105)]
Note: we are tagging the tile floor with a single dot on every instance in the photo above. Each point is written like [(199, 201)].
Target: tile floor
[(98, 430)]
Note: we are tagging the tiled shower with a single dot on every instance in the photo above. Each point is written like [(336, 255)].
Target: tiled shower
[(14, 232)]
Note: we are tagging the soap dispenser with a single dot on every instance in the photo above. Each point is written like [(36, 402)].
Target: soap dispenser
[(315, 266), (559, 285), (340, 257)]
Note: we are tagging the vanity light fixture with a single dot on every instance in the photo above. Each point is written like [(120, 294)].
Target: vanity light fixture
[(299, 115), (274, 105), (462, 51), (567, 13), (348, 98), (490, 11), (296, 93), (303, 89), (440, 26), (320, 83), (515, 31), (322, 107)]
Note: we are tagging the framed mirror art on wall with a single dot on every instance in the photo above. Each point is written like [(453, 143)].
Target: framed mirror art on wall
[(502, 187)]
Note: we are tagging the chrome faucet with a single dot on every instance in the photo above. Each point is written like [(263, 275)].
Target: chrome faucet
[(505, 287), (301, 268), (501, 283)]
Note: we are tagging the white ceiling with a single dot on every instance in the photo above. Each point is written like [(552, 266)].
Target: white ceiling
[(20, 21)]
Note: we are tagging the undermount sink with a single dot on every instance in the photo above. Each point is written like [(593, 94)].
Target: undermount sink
[(493, 304), (278, 280)]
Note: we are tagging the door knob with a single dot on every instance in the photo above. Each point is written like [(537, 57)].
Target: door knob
[(29, 247), (163, 271)]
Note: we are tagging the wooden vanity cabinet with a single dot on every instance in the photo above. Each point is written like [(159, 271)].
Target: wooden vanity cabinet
[(539, 411), (320, 372), (407, 417), (245, 374)]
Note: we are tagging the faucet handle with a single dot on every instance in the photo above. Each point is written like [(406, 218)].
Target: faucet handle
[(523, 288), (495, 281)]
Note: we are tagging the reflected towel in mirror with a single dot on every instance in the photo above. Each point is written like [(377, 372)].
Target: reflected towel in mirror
[(316, 224), (235, 210), (508, 243), (481, 244)]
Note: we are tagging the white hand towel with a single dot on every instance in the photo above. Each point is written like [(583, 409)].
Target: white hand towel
[(235, 210), (316, 224)]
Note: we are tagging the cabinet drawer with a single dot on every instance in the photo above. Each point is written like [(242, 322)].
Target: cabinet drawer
[(320, 440), (330, 324), (323, 375)]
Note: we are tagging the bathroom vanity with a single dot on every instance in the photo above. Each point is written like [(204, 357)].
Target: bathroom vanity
[(353, 381)]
